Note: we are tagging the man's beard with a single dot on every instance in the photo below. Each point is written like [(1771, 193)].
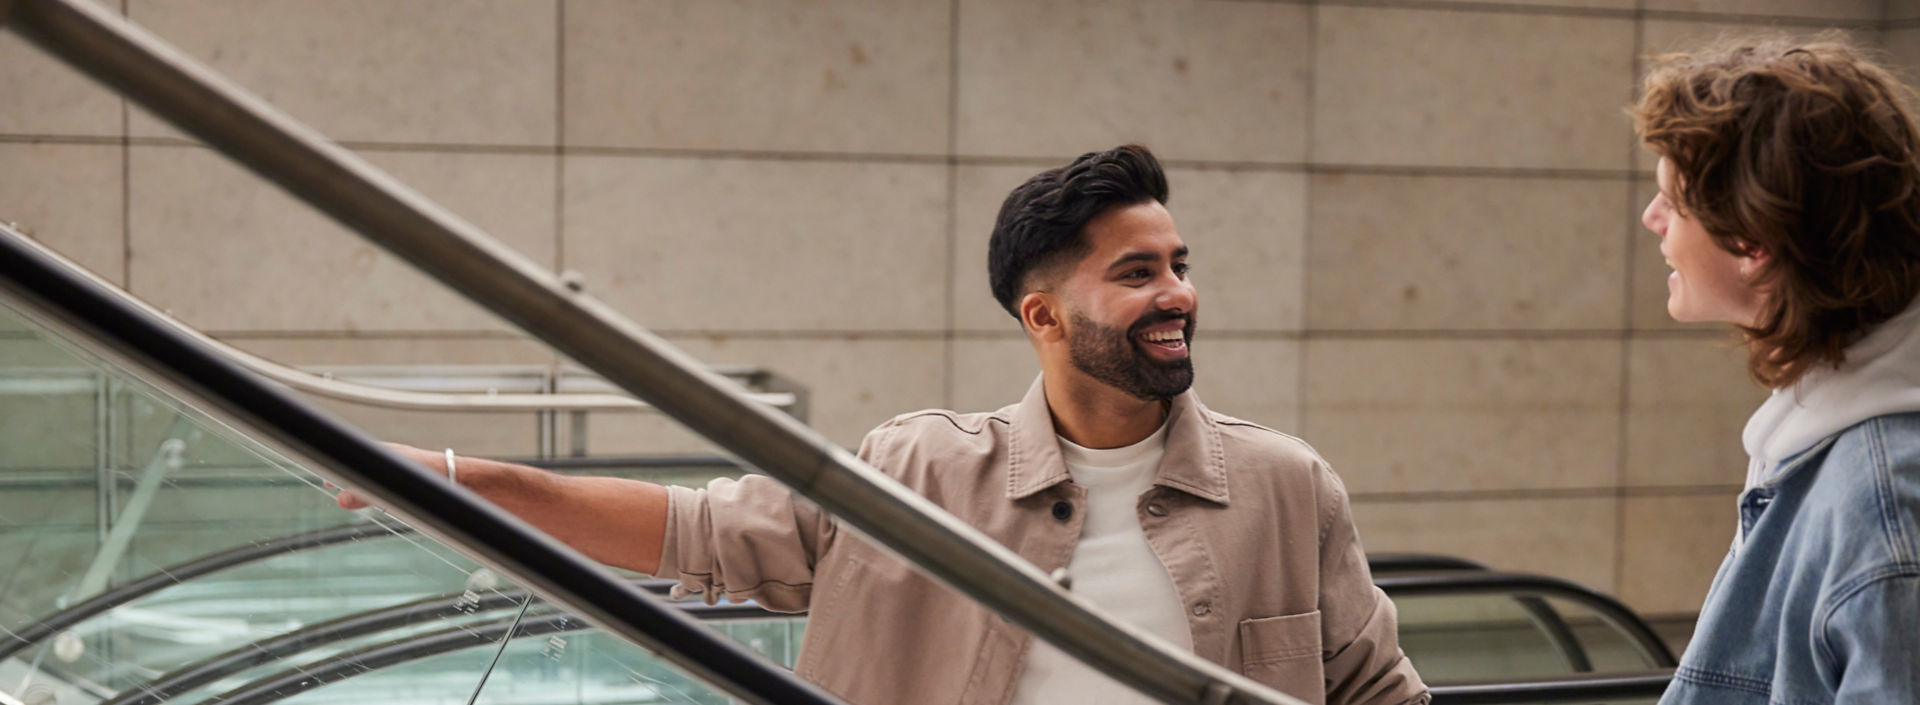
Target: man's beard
[(1111, 356)]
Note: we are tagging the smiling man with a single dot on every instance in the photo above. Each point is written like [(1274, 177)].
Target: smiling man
[(1212, 533)]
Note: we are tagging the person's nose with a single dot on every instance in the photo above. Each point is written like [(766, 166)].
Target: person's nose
[(1654, 218), (1178, 297)]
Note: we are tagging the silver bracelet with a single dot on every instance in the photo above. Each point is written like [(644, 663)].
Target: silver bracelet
[(451, 476)]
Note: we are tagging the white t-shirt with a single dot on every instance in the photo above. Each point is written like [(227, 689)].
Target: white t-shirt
[(1112, 567)]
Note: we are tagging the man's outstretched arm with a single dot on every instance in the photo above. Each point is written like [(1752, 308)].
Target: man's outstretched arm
[(618, 522)]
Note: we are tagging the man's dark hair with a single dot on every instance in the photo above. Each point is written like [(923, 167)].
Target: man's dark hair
[(1041, 223)]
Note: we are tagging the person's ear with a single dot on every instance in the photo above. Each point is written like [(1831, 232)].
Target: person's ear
[(1753, 260), (1040, 313)]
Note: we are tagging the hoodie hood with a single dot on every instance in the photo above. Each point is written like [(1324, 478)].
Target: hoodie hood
[(1881, 375)]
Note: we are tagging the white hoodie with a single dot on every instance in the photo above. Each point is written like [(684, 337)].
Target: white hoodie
[(1881, 375)]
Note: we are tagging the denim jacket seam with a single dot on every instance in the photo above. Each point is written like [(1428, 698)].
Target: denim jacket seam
[(1899, 544), (1844, 594), (1703, 676)]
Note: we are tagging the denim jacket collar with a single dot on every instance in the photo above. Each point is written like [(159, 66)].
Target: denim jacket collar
[(1193, 463)]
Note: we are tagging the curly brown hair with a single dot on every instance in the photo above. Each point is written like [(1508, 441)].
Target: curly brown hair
[(1803, 151)]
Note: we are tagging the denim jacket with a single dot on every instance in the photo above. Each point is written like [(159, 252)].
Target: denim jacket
[(1821, 601)]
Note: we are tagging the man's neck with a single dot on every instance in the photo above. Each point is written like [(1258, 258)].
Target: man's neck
[(1094, 415)]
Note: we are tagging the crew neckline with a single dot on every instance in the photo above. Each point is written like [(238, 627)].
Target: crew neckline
[(1082, 456)]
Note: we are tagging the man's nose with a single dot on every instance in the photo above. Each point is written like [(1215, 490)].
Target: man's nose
[(1180, 297), (1652, 218)]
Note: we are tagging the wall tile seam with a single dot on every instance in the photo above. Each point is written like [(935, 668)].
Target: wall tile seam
[(1608, 13), (1328, 168)]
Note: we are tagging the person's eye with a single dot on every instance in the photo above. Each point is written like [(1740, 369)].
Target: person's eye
[(1137, 275), (1180, 268)]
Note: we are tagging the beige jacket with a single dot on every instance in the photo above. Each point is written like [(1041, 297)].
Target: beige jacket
[(1252, 525)]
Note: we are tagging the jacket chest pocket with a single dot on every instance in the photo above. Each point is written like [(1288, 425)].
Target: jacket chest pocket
[(1284, 653)]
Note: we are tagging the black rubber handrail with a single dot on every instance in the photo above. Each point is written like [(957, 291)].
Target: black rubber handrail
[(1631, 625), (343, 666), (52, 292), (299, 679), (57, 622), (1543, 615), (1420, 563), (1586, 689), (214, 668), (218, 666)]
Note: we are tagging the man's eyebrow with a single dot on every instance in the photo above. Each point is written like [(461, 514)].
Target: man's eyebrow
[(1132, 257)]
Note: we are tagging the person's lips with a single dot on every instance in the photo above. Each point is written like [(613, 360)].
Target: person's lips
[(1166, 340)]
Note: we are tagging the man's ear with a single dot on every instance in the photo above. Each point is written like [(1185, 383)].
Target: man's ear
[(1041, 315)]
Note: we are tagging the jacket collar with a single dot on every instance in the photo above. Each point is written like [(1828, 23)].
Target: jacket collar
[(1194, 462)]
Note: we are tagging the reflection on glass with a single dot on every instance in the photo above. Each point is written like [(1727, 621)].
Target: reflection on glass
[(107, 482)]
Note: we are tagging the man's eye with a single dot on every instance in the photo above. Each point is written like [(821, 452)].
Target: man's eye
[(1138, 274), (1181, 268)]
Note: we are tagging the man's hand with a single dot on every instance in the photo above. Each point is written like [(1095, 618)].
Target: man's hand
[(614, 521), (431, 460)]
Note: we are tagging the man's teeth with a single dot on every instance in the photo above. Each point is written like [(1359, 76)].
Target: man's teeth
[(1167, 337)]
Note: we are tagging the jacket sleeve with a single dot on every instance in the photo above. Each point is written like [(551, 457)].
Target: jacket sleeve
[(745, 539), (1360, 638), (1870, 639)]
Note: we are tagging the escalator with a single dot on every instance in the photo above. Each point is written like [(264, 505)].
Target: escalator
[(145, 450), (154, 554)]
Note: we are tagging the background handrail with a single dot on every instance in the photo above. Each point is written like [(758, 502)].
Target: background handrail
[(1645, 641), (1582, 689)]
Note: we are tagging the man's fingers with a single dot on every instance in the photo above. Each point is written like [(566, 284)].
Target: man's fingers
[(348, 499)]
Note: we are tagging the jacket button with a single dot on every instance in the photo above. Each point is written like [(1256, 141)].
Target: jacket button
[(1200, 609), (1062, 510), (1156, 509)]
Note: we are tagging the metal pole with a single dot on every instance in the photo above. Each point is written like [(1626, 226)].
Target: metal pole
[(459, 254)]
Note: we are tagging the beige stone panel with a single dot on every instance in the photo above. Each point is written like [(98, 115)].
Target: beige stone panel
[(1674, 36), (694, 244), (1442, 88), (1246, 229), (1566, 538), (1903, 55), (46, 97), (989, 373), (1672, 546), (1688, 400), (68, 197), (470, 433), (1868, 10), (226, 251), (438, 71), (1216, 81), (47, 407), (854, 383), (1450, 252), (1255, 380), (978, 192), (1898, 10), (1650, 272), (865, 76), (1433, 415)]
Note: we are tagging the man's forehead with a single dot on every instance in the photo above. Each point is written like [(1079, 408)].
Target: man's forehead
[(1134, 232)]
